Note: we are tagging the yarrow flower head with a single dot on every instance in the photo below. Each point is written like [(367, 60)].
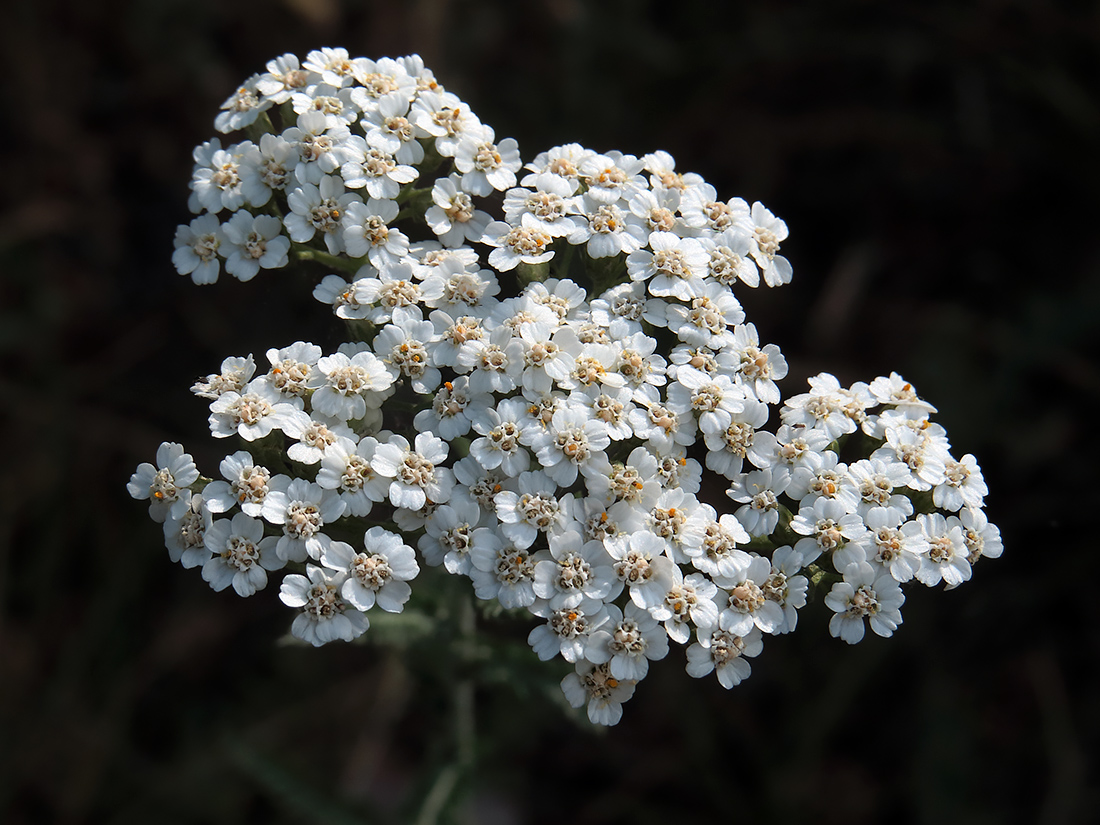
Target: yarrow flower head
[(548, 372)]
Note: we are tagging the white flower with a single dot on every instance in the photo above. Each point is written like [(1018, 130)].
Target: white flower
[(485, 165), (415, 474), (658, 209), (319, 209), (197, 247), (674, 268), (639, 561), (216, 181), (388, 128), (450, 533), (333, 102), (983, 540), (731, 257), (452, 284), (569, 443), (663, 175), (246, 484), (346, 468), (292, 368), (445, 117), (785, 587), (236, 371), (283, 77), (660, 426), (633, 481), (333, 65), (894, 546), (718, 554), (302, 509), (255, 411), (723, 652), (790, 447), (379, 78), (624, 306), (921, 454), (352, 384), (748, 603), (638, 362), (165, 485), (501, 431), (628, 642), (895, 390), (240, 555), (963, 485), (706, 321), (947, 555), (184, 535), (759, 368), (701, 209), (452, 409), (678, 519), (688, 602), (864, 594), (563, 161), (254, 243), (568, 630), (504, 572), (767, 233), (829, 528), (607, 404), (324, 615), (393, 288), (267, 168), (532, 509), (548, 207), (606, 229), (876, 479), (340, 295), (728, 448), (403, 347), (375, 170), (241, 108), (612, 176), (714, 399), (824, 407), (578, 573), (453, 216), (496, 360), (378, 576), (758, 491), (367, 233), (516, 245), (321, 147), (594, 686)]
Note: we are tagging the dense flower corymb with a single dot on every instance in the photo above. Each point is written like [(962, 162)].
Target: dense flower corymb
[(548, 372)]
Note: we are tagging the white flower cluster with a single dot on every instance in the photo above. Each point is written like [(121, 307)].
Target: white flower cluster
[(541, 403)]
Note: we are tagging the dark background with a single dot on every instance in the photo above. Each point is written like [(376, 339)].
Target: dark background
[(937, 165)]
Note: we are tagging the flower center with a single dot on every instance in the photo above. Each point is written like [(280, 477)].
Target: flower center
[(371, 571), (324, 601), (416, 470), (240, 553)]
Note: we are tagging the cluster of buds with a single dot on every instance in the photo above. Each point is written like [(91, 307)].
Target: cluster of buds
[(549, 385)]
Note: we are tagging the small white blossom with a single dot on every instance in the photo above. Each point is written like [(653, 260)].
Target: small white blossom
[(324, 614), (165, 485)]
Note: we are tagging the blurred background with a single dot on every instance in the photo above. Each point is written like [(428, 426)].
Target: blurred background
[(937, 165)]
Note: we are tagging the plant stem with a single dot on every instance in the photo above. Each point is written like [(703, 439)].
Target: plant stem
[(305, 253)]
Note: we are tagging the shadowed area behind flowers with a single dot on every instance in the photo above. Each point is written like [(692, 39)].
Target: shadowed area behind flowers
[(936, 167)]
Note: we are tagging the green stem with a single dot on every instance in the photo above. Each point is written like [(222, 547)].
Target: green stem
[(260, 127), (348, 265)]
